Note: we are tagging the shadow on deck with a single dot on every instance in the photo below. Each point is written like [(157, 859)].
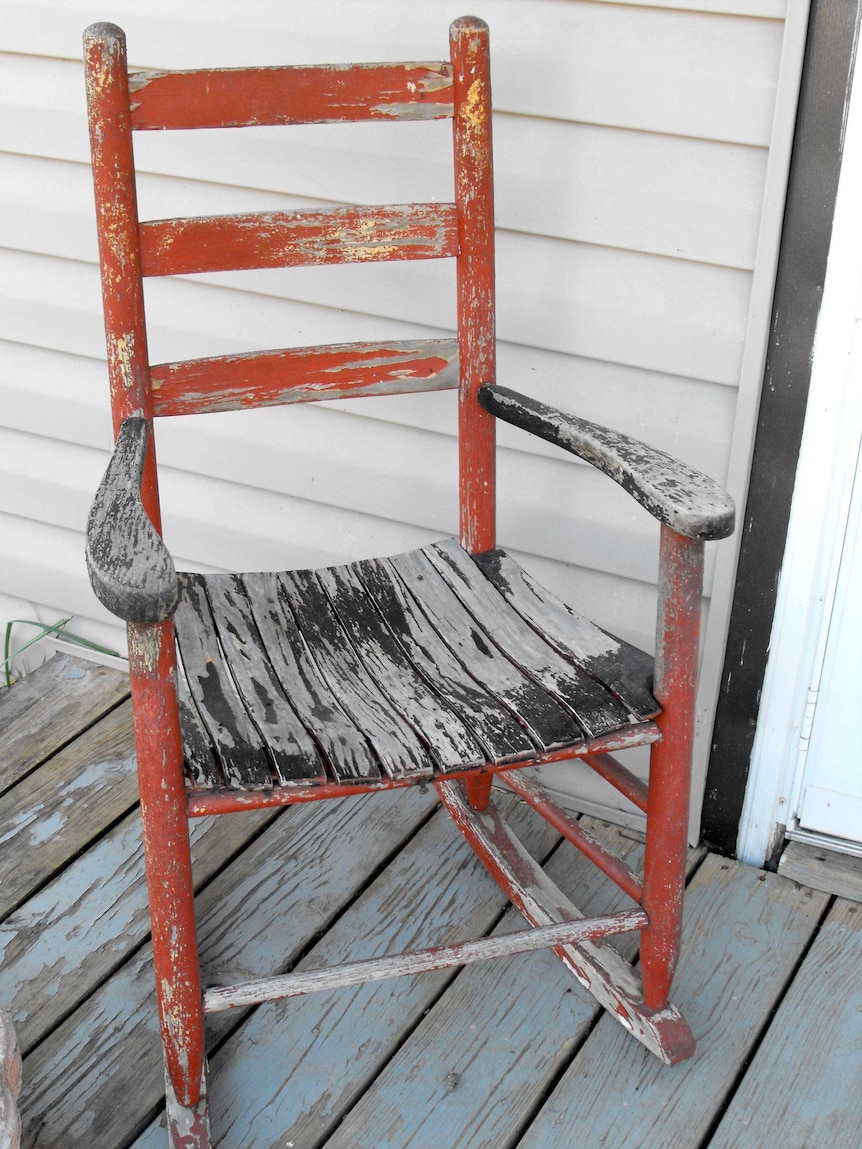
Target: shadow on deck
[(512, 1053)]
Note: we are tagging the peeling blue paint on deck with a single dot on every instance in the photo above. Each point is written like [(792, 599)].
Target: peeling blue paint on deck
[(513, 1054)]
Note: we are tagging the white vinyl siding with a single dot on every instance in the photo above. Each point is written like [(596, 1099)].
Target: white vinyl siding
[(641, 154)]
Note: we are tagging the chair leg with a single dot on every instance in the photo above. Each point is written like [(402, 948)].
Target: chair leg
[(478, 790), (188, 1127), (664, 873), (680, 588), (170, 887)]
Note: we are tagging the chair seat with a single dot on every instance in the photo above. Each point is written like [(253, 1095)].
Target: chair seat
[(393, 670)]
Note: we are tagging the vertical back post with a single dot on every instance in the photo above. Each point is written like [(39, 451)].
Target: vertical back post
[(119, 246), (474, 198), (152, 656)]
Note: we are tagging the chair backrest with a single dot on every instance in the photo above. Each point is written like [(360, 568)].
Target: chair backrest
[(120, 103)]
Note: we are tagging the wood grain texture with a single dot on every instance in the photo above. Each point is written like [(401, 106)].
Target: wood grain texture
[(400, 750), (372, 671), (336, 93), (686, 500), (822, 869), (101, 896), (626, 670), (448, 737), (242, 918), (802, 1089), (64, 805), (596, 709), (607, 976), (333, 1050), (130, 568), (298, 239), (49, 708), (263, 695), (239, 746), (545, 721), (436, 1090), (727, 994), (496, 728), (326, 979), (10, 1084), (303, 374), (443, 1080)]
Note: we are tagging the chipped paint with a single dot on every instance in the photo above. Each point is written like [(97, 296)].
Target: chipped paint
[(144, 648), (474, 108), (302, 374), (123, 348)]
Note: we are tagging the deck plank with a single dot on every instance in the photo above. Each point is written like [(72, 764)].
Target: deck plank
[(802, 1089), (744, 931), (98, 1077), (769, 985), (65, 804), (517, 1024), (45, 971), (50, 707), (823, 869), (296, 1067)]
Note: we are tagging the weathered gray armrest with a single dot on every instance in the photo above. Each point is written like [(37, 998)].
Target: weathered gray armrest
[(687, 501), (130, 568)]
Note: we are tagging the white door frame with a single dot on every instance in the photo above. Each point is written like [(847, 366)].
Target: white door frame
[(818, 520)]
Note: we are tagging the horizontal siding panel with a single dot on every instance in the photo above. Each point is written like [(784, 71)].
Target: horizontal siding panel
[(45, 569), (760, 9), (689, 73), (233, 514), (631, 147), (684, 417), (659, 314), (65, 397), (44, 564), (689, 199)]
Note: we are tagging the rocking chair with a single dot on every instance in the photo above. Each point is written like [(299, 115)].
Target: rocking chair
[(448, 665)]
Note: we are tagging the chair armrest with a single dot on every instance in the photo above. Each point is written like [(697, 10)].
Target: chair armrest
[(130, 568), (685, 500)]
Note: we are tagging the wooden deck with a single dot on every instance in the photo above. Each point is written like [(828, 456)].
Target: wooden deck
[(508, 1054)]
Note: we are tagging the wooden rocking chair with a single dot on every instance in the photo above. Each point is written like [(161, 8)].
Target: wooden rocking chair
[(448, 665)]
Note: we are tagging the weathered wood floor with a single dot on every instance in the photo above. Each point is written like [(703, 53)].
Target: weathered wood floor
[(509, 1054)]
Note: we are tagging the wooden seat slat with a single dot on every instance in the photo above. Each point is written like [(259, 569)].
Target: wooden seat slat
[(303, 375), (543, 718), (503, 738), (596, 710), (343, 744), (450, 742), (241, 751), (298, 238), (397, 745), (315, 94), (201, 761), (384, 669), (625, 669), (293, 751)]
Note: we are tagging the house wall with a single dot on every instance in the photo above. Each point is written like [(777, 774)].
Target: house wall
[(641, 154)]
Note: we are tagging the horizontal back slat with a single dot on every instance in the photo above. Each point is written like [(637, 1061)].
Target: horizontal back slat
[(298, 238), (303, 374), (327, 93)]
